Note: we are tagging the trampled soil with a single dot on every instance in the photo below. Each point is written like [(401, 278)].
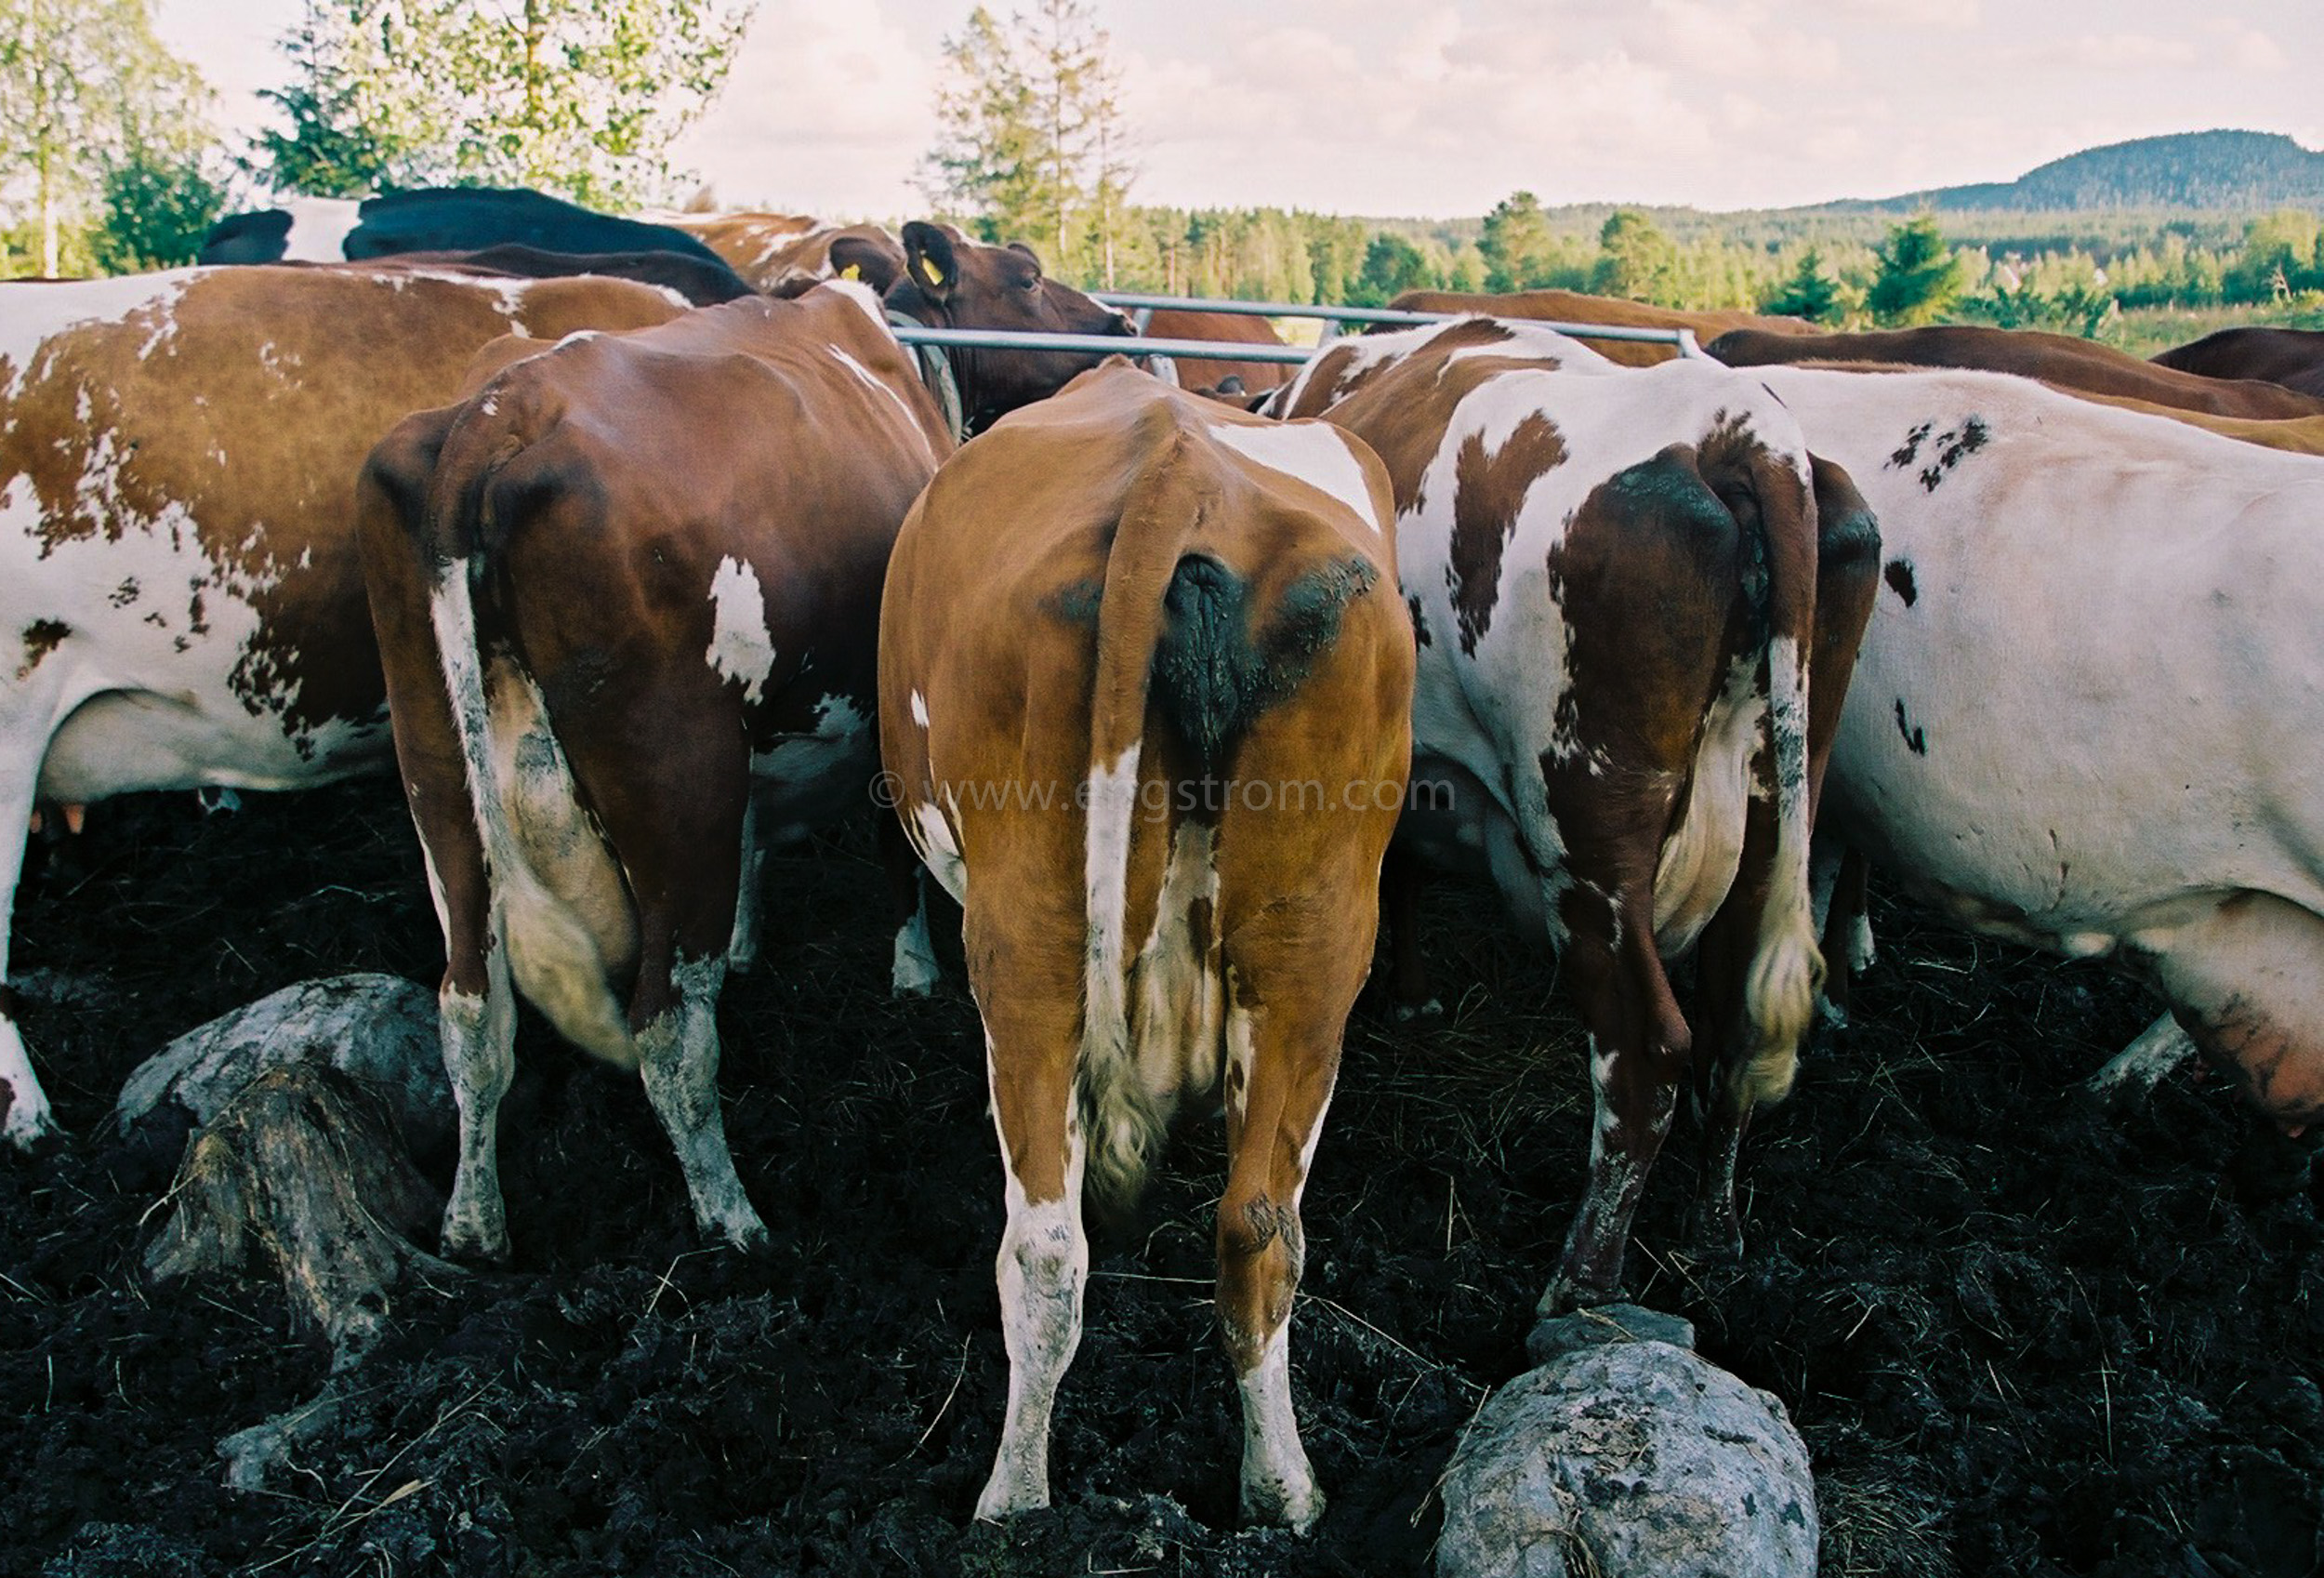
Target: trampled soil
[(2020, 1336)]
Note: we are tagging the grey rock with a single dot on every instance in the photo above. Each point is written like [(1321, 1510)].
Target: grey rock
[(381, 1028), (1629, 1460), (1557, 1335)]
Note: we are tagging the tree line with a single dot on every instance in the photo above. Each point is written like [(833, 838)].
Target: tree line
[(117, 165)]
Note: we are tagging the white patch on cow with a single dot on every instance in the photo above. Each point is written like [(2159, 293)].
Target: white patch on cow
[(866, 300), (919, 710), (1277, 1483), (318, 228), (1241, 1050), (1042, 1268), (1316, 453), (1180, 997), (882, 387), (30, 1119), (522, 794), (914, 971), (1701, 857), (739, 647), (932, 838), (38, 312), (1112, 798)]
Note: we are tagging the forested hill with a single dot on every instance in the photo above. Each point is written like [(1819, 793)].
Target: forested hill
[(2245, 170)]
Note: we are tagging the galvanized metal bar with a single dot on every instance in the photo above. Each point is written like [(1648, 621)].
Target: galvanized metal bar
[(1143, 306), (1105, 345)]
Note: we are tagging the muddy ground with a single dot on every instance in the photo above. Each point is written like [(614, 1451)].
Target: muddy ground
[(2020, 1337)]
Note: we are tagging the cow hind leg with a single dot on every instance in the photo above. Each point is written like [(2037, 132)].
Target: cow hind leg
[(479, 1038), (914, 971), (30, 1124), (1639, 1050), (1281, 1063), (678, 1058), (1044, 1262)]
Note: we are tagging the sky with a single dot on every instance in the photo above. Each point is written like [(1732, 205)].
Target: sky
[(1406, 108)]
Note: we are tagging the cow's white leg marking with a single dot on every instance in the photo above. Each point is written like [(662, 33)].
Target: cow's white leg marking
[(2147, 1062), (30, 1120), (1278, 1483), (915, 972), (479, 1038), (678, 1058), (742, 952), (1044, 1263)]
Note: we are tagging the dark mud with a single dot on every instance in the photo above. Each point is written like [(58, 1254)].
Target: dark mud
[(2020, 1336)]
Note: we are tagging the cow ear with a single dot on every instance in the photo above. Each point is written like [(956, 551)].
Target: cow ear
[(1021, 247), (855, 256), (930, 260)]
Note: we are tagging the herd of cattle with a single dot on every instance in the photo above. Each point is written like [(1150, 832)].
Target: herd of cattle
[(639, 545)]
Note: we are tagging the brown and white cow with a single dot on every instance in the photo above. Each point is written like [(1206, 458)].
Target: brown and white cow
[(1622, 581), (1144, 690), (179, 598), (2086, 714), (626, 598), (2061, 359), (1576, 307), (784, 254), (672, 546)]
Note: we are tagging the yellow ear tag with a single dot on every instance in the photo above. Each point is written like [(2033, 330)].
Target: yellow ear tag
[(928, 266), (852, 272)]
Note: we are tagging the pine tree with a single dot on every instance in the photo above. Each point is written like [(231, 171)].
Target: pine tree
[(1919, 276), (1809, 291), (1636, 260), (1519, 251), (1033, 144)]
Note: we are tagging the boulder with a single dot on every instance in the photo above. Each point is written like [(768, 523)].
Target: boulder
[(381, 1028), (1628, 1459)]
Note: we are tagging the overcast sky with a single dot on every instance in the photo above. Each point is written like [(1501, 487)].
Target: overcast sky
[(1373, 108)]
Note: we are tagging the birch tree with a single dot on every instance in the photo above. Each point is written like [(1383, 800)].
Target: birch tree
[(76, 79)]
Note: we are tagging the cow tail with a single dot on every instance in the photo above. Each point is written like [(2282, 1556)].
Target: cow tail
[(1123, 1120), (1788, 969)]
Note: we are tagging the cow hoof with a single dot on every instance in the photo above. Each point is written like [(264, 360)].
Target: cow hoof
[(39, 1139), (1296, 1508), (748, 1234), (1715, 1237), (1408, 1012), (474, 1242), (1000, 1502), (919, 983)]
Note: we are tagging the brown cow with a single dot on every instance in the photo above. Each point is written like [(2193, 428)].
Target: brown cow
[(1637, 600), (625, 598), (1574, 307), (175, 463), (1206, 376), (1145, 692), (2291, 357), (2062, 361), (761, 459), (784, 254), (951, 281)]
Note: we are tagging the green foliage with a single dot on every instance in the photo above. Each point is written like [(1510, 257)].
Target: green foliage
[(2281, 257), (1392, 266), (82, 84), (1919, 275), (581, 97), (159, 205), (1520, 252), (1032, 143), (1636, 260), (1808, 293)]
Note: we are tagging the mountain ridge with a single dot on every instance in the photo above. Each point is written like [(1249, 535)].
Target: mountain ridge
[(2221, 169)]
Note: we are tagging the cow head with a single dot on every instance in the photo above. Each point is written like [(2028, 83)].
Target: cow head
[(951, 281)]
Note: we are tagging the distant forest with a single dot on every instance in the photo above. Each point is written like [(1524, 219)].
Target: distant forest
[(2188, 225)]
